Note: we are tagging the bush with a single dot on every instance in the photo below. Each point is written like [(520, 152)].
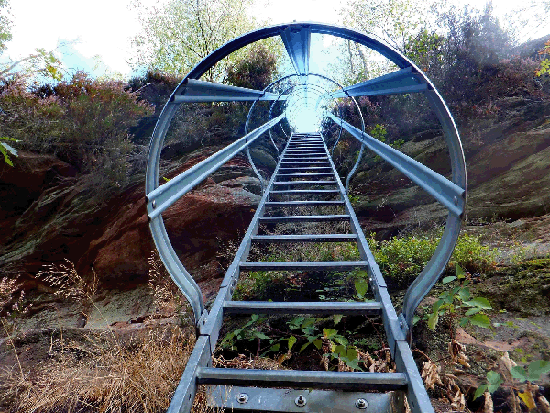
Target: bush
[(402, 259), (83, 121)]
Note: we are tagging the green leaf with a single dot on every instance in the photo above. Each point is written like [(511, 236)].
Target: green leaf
[(416, 319), (340, 350), (480, 302), (464, 294), (341, 340), (437, 305), (318, 343), (449, 279), (537, 368), (463, 321), (261, 335), (351, 354), (518, 373), (305, 346), (480, 320), (275, 347), (473, 311), (329, 333), (291, 342), (493, 377), (432, 320), (337, 318), (460, 273), (494, 380), (480, 390), (361, 286)]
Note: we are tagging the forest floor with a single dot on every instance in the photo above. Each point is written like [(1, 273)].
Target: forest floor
[(132, 347)]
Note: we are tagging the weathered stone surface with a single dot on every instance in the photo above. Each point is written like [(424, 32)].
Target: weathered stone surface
[(507, 163), (62, 222)]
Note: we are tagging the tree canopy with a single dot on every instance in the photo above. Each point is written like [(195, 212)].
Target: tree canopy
[(178, 35)]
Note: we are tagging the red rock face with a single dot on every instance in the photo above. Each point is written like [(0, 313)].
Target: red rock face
[(195, 224), (53, 219)]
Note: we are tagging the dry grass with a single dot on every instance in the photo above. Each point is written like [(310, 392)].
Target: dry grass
[(104, 376), (110, 370)]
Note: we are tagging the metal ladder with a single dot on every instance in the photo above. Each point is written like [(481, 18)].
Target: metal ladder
[(306, 159), (304, 162)]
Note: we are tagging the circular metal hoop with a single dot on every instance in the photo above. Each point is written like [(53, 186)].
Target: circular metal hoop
[(443, 252)]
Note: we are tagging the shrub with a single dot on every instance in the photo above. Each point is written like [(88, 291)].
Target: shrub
[(83, 121), (402, 259)]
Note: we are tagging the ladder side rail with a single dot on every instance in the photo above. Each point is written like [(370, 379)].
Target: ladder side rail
[(399, 347), (210, 326), (448, 193), (165, 195)]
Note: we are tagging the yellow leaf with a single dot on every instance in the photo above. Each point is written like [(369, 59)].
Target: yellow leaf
[(527, 398)]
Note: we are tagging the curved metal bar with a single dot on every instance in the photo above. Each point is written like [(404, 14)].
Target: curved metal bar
[(281, 94), (337, 139), (168, 256), (431, 272), (359, 155)]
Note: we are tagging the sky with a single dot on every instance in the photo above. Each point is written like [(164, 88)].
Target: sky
[(96, 36)]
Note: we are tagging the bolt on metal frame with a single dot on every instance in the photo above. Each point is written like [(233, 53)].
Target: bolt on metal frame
[(247, 390)]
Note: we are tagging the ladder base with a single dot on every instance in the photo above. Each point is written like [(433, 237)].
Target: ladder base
[(284, 400)]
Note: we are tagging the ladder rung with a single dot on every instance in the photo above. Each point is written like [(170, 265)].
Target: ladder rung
[(306, 238), (303, 266), (321, 308), (306, 183), (307, 379), (304, 203), (304, 163), (304, 218), (296, 174), (307, 154), (306, 146), (306, 191), (287, 159), (302, 168)]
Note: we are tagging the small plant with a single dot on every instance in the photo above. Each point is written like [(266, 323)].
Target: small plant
[(535, 370), (336, 346), (403, 258), (459, 297), (246, 332), (5, 148)]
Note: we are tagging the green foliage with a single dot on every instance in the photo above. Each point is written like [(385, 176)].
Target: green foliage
[(459, 297), (535, 370), (246, 332), (41, 63), (379, 132), (401, 259), (425, 49), (255, 70), (180, 33), (544, 67), (5, 25), (395, 21), (340, 349), (5, 148), (83, 121)]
